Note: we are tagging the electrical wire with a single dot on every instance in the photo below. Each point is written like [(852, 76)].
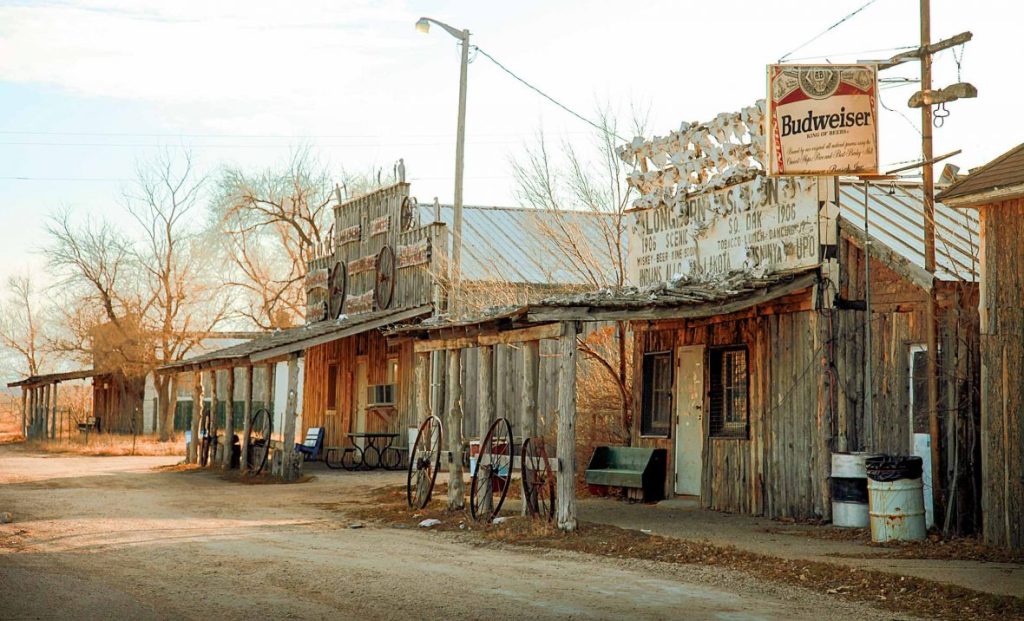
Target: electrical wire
[(603, 130), (826, 31)]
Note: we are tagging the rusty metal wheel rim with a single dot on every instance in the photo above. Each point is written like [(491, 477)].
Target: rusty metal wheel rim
[(260, 428), (424, 463), (537, 479), (493, 469)]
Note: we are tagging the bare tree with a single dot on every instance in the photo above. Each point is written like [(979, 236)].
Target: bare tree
[(571, 182), (182, 301), (22, 325)]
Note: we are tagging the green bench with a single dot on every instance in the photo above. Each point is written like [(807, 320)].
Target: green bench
[(631, 468)]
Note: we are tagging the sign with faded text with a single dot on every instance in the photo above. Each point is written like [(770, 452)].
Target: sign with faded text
[(767, 223), (822, 120)]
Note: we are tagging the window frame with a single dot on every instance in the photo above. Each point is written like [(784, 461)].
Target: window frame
[(648, 393), (718, 426)]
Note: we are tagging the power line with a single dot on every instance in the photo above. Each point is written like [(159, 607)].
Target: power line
[(826, 31), (603, 130)]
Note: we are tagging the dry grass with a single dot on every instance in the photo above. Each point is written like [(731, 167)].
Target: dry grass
[(899, 594), (109, 445)]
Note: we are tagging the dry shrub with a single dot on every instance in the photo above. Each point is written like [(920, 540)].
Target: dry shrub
[(110, 445), (10, 420), (599, 398)]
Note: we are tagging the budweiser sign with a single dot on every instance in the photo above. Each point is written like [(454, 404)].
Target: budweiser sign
[(822, 120)]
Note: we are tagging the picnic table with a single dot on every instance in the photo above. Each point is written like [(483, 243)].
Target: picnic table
[(377, 452)]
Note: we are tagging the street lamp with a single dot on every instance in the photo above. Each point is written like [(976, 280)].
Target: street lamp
[(423, 25)]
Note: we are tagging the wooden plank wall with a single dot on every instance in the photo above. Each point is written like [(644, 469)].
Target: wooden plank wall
[(766, 473), (899, 315), (1002, 373), (345, 353)]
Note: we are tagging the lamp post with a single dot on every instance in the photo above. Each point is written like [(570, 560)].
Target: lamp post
[(423, 25)]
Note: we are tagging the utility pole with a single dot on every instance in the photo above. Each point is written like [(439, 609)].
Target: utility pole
[(931, 316)]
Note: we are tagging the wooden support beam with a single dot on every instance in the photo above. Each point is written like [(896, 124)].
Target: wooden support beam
[(53, 414), (197, 413), (445, 344), (925, 50), (530, 384), (31, 419), (243, 462), (44, 419), (422, 388), (523, 335), (214, 398), (229, 420), (24, 411), (289, 463), (566, 480), (485, 402), (456, 486)]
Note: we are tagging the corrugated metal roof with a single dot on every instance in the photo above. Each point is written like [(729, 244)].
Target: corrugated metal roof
[(516, 244), (1005, 171), (896, 219)]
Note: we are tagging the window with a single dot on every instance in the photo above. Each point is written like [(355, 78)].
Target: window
[(332, 386), (730, 411), (656, 416)]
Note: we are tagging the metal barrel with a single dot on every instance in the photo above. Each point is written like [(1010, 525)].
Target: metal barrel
[(849, 490), (896, 498)]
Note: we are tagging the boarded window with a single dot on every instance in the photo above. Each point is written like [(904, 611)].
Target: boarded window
[(656, 417), (918, 388), (730, 409), (332, 386)]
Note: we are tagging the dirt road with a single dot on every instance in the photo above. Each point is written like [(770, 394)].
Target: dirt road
[(113, 537)]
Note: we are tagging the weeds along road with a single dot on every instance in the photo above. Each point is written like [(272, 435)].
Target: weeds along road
[(117, 537)]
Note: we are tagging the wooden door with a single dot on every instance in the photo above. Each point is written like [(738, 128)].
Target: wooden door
[(360, 397), (689, 400)]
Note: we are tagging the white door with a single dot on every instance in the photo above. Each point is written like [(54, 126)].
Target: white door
[(361, 386), (689, 399)]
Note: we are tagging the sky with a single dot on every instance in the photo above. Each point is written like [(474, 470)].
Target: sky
[(91, 88)]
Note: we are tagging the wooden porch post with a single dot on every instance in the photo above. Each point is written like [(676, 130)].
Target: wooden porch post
[(247, 417), (44, 419), (456, 486), (53, 415), (197, 411), (531, 372), (214, 398), (422, 388), (566, 486), (485, 413), (268, 389), (288, 461), (229, 420), (30, 419), (24, 411)]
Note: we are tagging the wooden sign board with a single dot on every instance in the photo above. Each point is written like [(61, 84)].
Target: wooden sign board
[(379, 226), (362, 303), (349, 234), (362, 264), (316, 279), (414, 254), (822, 120), (767, 223)]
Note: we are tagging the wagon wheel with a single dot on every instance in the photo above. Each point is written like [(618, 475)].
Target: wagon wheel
[(538, 480), (204, 433), (384, 285), (338, 289), (493, 474), (259, 440), (424, 462)]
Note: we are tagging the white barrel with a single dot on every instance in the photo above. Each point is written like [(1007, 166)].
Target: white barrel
[(849, 490), (897, 510)]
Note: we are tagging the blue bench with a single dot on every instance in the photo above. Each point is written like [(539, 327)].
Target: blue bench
[(312, 445)]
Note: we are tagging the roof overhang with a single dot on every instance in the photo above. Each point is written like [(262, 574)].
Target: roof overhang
[(53, 378), (994, 195)]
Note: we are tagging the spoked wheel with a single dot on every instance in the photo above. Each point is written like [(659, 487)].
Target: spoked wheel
[(259, 440), (538, 480), (493, 474), (424, 463), (204, 443)]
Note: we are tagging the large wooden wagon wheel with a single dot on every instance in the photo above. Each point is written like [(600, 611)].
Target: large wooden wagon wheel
[(538, 480), (424, 462), (338, 290), (493, 474), (384, 285), (260, 429)]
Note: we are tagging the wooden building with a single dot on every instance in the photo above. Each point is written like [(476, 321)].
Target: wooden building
[(996, 190), (386, 266)]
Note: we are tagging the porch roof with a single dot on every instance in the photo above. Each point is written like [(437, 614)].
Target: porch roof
[(52, 378), (284, 342)]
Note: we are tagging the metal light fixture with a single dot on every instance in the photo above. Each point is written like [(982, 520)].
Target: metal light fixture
[(423, 25)]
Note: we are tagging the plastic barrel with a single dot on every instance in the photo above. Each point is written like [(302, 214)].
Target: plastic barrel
[(896, 498), (850, 490)]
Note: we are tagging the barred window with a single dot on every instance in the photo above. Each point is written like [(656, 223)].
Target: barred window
[(656, 415), (730, 409)]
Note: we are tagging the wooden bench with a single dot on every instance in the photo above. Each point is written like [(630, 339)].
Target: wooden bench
[(91, 424), (631, 468)]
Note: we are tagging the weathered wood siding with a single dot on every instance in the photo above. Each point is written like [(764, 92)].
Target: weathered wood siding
[(344, 354), (1002, 373), (899, 322), (779, 469)]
